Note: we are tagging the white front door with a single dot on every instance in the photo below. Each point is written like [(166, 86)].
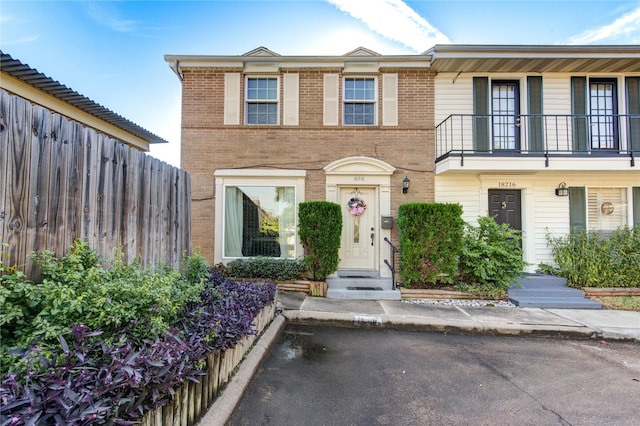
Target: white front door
[(359, 243)]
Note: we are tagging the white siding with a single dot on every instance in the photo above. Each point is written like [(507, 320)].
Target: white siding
[(452, 97), (542, 211), (556, 95)]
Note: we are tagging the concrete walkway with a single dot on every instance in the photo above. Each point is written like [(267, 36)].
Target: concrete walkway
[(525, 322), (522, 322)]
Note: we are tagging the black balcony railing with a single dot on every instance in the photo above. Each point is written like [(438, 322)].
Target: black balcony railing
[(541, 135)]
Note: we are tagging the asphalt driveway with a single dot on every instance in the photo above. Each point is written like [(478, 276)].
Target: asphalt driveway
[(341, 376)]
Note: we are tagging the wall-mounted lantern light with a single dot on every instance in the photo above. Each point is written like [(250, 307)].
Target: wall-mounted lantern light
[(405, 185), (562, 190)]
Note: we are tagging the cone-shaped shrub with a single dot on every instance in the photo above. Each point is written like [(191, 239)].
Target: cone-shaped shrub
[(320, 227)]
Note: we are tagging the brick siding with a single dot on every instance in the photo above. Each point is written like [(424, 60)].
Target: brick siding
[(208, 145)]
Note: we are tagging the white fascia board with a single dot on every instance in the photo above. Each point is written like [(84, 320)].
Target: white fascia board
[(412, 64), (208, 64), (285, 65), (261, 67), (259, 173)]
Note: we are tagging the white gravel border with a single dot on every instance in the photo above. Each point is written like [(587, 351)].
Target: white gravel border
[(463, 302)]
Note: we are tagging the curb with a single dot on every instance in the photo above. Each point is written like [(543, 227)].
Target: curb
[(468, 327), (219, 413)]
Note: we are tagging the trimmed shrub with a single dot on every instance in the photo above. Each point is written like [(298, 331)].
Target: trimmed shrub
[(320, 228), (266, 267), (491, 257), (430, 237), (586, 259)]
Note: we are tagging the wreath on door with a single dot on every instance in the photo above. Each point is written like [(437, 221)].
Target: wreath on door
[(356, 206)]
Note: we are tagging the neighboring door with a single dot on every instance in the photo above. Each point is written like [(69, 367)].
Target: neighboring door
[(504, 206), (505, 110), (359, 234), (603, 109)]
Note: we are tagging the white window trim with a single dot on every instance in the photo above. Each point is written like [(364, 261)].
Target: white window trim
[(624, 207), (253, 177), (375, 102), (247, 100)]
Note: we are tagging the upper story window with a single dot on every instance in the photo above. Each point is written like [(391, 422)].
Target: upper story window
[(262, 100), (360, 101)]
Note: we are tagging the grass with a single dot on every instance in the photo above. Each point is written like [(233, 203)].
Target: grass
[(623, 303)]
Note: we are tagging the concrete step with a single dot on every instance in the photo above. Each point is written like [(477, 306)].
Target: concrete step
[(552, 291), (541, 280), (358, 273), (362, 288), (556, 302), (346, 283), (363, 293)]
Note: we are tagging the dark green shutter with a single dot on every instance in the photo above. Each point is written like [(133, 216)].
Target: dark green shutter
[(536, 130), (577, 209), (636, 206), (579, 108), (633, 109), (481, 112)]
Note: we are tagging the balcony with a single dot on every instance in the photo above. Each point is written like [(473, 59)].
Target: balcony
[(467, 142)]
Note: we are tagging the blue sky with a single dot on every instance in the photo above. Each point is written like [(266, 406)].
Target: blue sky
[(112, 51)]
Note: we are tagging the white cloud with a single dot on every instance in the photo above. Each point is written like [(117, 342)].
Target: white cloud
[(625, 29), (107, 15), (394, 20), (22, 40)]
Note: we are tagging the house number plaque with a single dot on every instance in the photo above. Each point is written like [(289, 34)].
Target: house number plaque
[(507, 185)]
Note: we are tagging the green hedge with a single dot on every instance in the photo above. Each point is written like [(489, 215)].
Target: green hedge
[(430, 238), (320, 228), (266, 267), (588, 260)]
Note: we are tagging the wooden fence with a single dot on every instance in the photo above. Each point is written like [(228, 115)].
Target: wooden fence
[(191, 401), (61, 181)]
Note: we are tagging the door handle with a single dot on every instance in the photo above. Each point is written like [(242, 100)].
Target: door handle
[(372, 235)]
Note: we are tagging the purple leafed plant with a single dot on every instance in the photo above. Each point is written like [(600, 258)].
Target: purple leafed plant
[(93, 381)]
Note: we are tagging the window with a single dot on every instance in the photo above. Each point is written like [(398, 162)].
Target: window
[(603, 108), (256, 213), (505, 107), (259, 221), (262, 100), (606, 208), (595, 109), (360, 101)]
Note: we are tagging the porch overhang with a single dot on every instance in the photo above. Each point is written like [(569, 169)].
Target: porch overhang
[(534, 58), (456, 163)]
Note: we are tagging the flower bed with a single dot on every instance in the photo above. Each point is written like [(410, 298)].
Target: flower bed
[(94, 377), (191, 400)]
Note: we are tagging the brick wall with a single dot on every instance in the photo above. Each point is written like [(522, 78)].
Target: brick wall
[(208, 145)]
